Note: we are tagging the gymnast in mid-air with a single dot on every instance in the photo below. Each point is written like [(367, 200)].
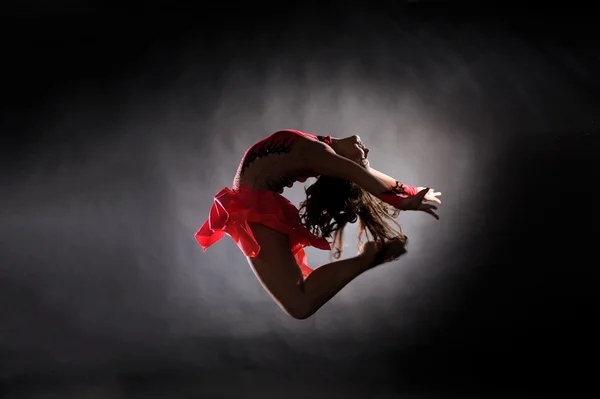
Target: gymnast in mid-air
[(272, 233)]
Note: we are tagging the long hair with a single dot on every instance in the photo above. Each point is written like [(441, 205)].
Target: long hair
[(331, 203)]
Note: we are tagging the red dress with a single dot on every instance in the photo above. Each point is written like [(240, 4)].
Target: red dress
[(234, 208)]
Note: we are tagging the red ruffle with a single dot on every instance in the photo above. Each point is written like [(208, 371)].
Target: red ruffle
[(233, 210)]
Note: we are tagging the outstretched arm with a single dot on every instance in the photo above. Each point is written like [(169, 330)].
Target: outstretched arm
[(323, 160), (405, 189), (327, 162), (395, 185)]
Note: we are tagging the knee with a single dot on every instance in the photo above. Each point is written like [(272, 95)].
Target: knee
[(299, 315), (300, 310)]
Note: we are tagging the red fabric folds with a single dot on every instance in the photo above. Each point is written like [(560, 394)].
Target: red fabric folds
[(233, 210)]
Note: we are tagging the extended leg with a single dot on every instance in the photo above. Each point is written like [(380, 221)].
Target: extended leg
[(276, 269)]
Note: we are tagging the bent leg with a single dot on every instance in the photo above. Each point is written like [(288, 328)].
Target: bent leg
[(277, 270)]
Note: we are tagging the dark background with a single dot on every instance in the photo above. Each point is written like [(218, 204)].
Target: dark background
[(514, 315)]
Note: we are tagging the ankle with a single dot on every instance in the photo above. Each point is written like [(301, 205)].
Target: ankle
[(368, 257)]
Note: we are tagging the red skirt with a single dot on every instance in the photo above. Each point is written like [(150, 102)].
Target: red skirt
[(233, 210)]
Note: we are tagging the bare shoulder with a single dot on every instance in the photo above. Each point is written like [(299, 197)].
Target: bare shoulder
[(308, 148), (308, 151)]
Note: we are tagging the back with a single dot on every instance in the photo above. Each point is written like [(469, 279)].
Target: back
[(272, 164)]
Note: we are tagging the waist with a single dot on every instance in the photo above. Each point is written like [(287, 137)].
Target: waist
[(276, 185)]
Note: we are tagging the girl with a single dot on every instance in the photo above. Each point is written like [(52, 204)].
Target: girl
[(272, 232)]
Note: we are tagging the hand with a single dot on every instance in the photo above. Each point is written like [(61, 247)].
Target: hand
[(431, 195), (417, 203)]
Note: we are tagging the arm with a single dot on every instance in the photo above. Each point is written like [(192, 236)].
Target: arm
[(395, 185), (321, 159)]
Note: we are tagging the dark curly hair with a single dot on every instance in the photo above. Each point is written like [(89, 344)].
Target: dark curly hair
[(331, 203)]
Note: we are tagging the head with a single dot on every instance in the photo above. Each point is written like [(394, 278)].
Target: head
[(332, 203), (352, 148)]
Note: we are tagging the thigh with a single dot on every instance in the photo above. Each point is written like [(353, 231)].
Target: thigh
[(277, 269)]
